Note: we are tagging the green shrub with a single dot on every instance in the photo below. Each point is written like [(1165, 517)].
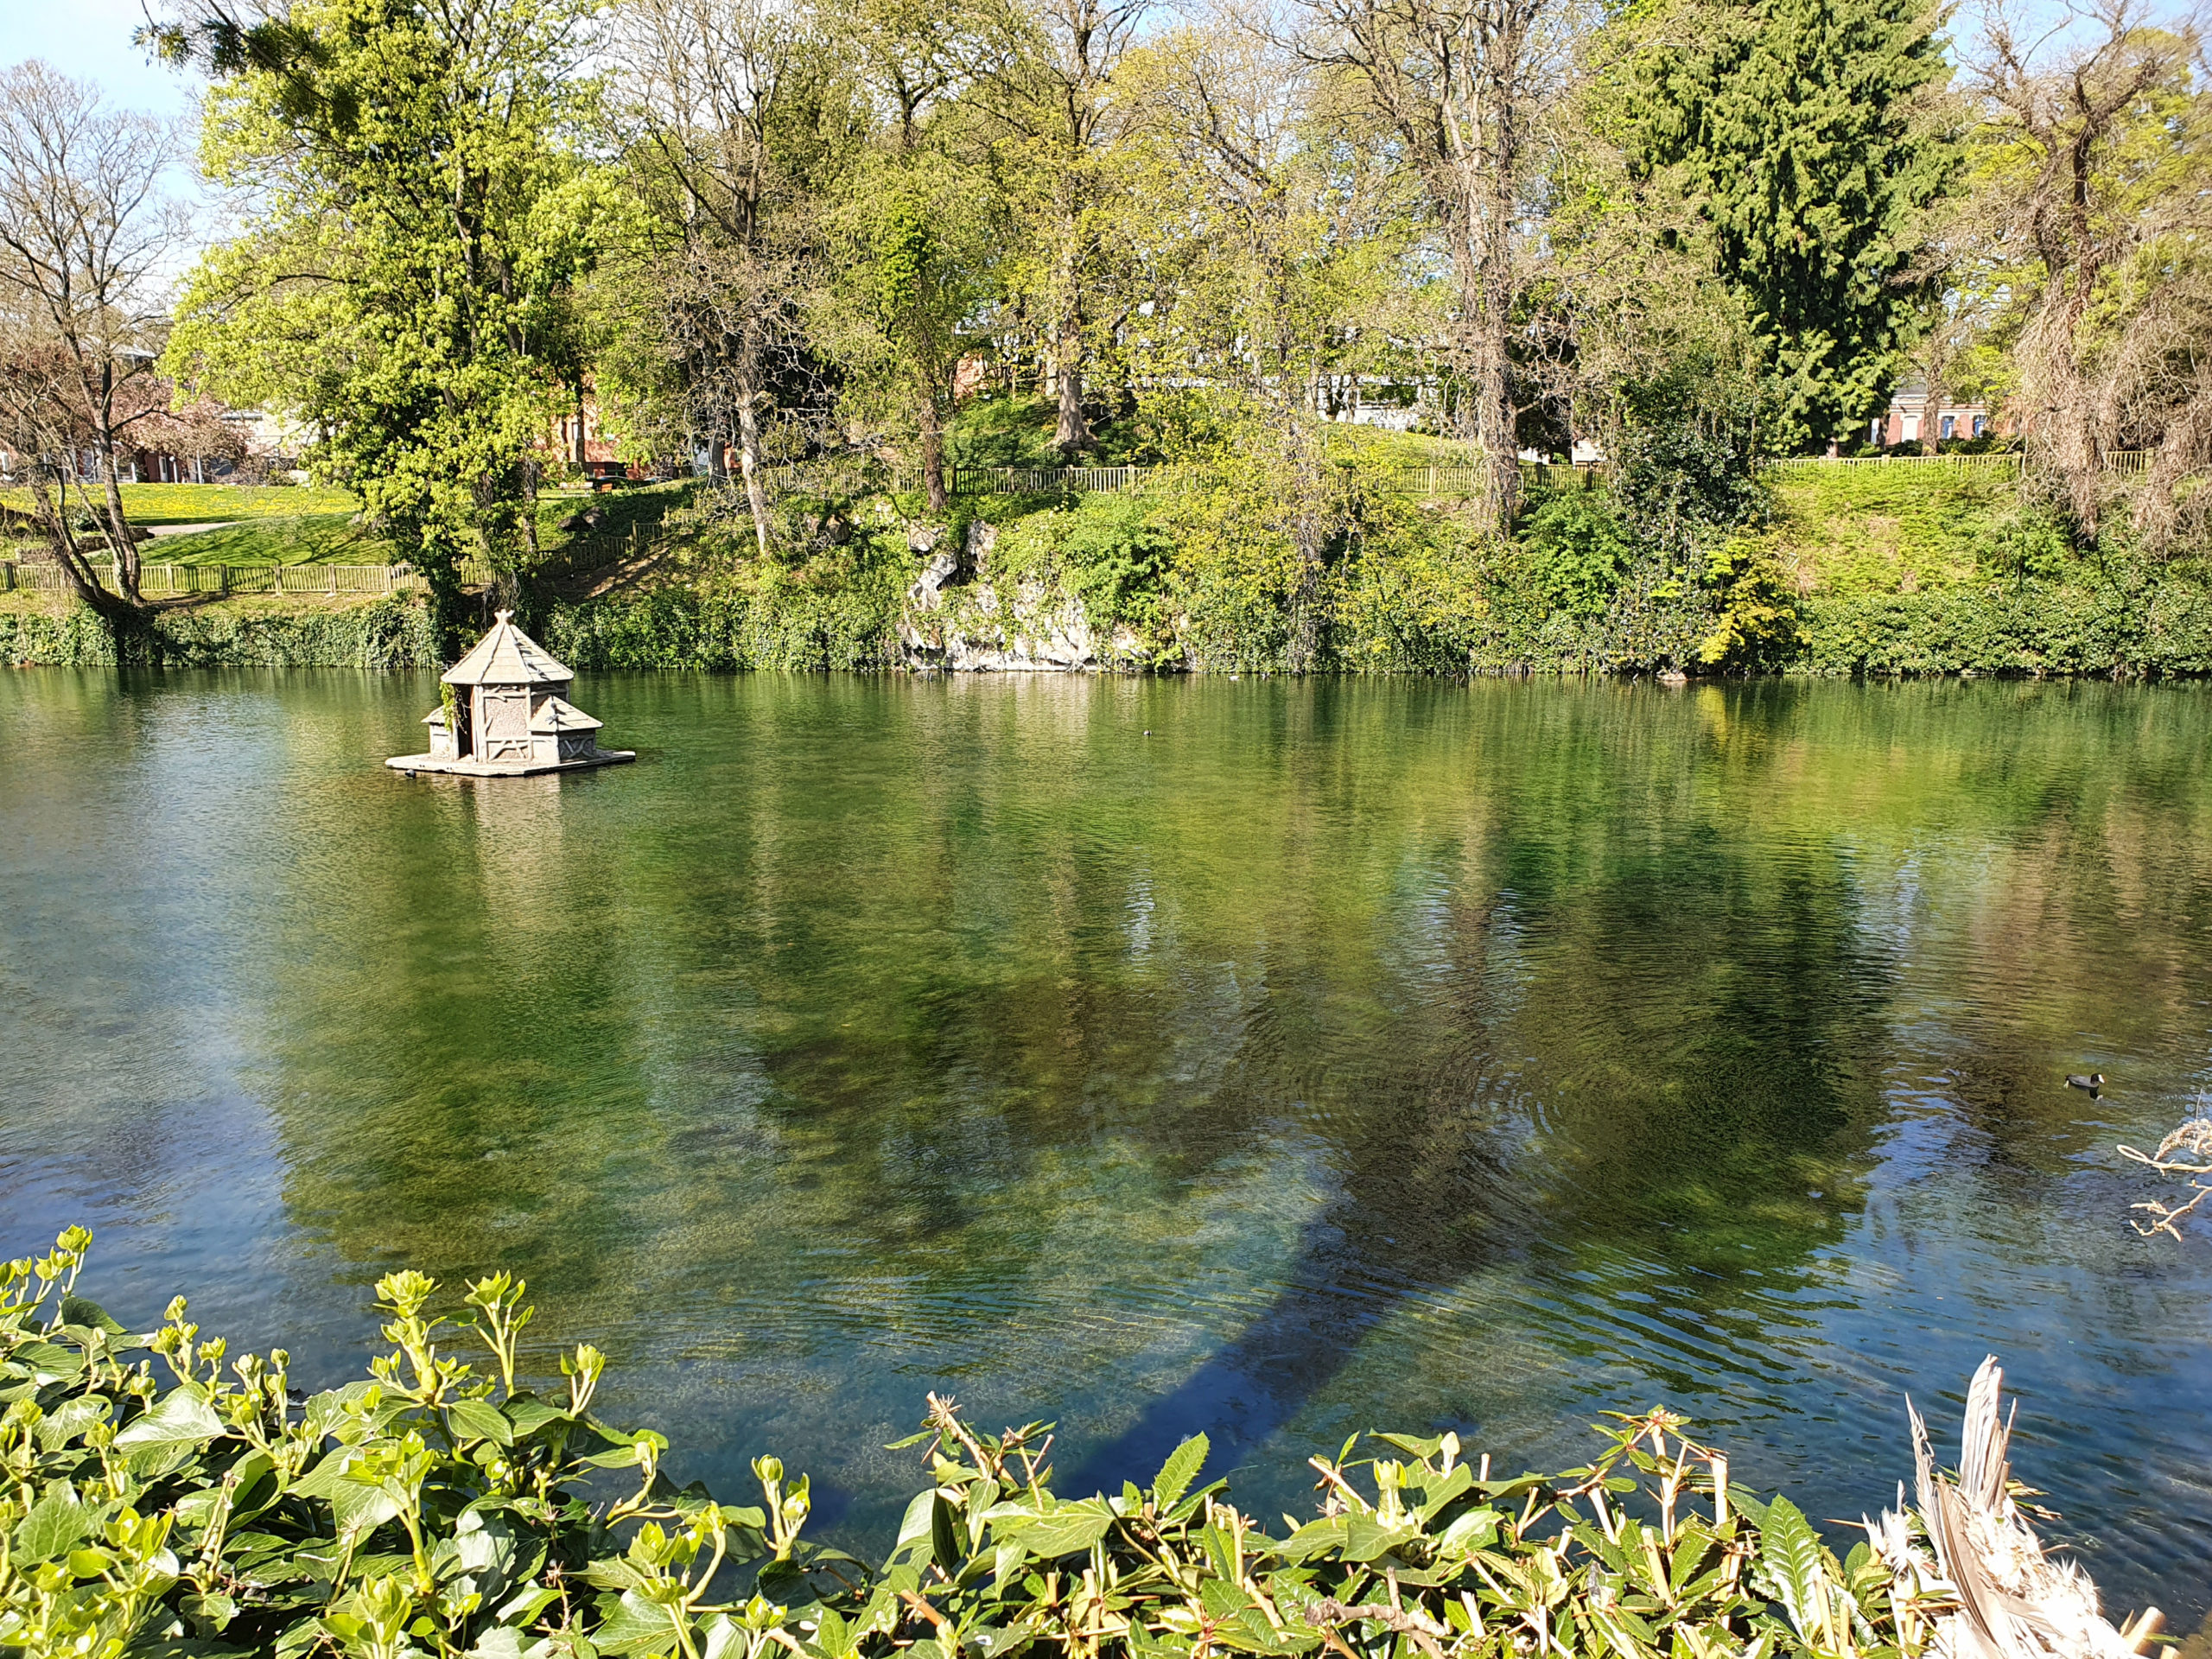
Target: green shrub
[(1574, 551), (1685, 474), (445, 1506), (2011, 629), (1870, 530), (838, 609), (1114, 554), (1755, 613), (386, 633)]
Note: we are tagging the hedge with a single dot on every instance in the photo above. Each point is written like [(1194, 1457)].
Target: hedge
[(385, 633), (2034, 629)]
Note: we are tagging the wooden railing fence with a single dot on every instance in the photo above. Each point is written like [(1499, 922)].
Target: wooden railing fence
[(1459, 478)]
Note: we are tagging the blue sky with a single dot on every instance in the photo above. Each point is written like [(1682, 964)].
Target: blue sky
[(91, 40)]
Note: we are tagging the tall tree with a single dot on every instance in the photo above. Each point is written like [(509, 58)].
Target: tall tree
[(1466, 85), (1048, 86), (2098, 151), (923, 289), (740, 115), (419, 224), (1264, 208), (85, 233), (920, 223), (1278, 232), (1802, 130)]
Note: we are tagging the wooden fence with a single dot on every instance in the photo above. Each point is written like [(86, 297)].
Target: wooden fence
[(2006, 460), (2115, 461), (1447, 478)]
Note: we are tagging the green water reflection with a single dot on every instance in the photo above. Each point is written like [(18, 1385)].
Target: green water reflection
[(1278, 1059)]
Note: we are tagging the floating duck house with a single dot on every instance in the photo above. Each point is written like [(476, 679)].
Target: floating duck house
[(513, 722)]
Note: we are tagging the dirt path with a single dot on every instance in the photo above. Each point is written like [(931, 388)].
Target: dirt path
[(159, 530)]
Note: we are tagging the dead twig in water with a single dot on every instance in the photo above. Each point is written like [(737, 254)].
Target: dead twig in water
[(2193, 1138)]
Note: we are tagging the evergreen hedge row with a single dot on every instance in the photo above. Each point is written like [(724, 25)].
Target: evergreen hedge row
[(386, 633), (2028, 630), (2149, 631)]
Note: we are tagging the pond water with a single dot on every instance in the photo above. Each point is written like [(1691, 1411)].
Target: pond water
[(1279, 1059)]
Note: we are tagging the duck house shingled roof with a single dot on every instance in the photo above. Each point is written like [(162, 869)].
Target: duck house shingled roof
[(507, 655)]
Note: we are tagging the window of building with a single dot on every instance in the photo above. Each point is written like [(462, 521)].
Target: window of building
[(1950, 426)]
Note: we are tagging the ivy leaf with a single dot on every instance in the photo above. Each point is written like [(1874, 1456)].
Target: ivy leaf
[(70, 1419), (832, 1635), (479, 1420), (91, 1316), (53, 1528), (183, 1418), (636, 1626)]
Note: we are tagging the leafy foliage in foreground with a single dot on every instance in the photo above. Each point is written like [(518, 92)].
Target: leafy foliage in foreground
[(436, 1509)]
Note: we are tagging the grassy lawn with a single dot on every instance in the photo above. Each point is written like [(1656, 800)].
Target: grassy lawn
[(1397, 448), (211, 504), (1001, 431), (335, 538), (1887, 530), (302, 538)]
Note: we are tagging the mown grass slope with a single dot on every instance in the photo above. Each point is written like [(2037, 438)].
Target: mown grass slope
[(341, 538), (300, 539), (1888, 528), (213, 504)]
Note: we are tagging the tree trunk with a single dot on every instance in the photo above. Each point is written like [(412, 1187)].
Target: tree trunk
[(527, 515), (582, 458), (102, 405), (1073, 433), (932, 448), (748, 462), (435, 559), (1310, 529), (2068, 421), (119, 538), (83, 581), (1494, 419), (1931, 413), (1484, 363)]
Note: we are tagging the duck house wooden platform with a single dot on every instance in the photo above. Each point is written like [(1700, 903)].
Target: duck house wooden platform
[(513, 722)]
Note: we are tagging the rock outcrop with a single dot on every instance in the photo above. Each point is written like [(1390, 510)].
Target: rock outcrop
[(957, 617)]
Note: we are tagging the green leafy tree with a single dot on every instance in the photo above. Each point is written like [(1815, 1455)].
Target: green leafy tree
[(918, 307), (85, 231), (740, 119), (403, 282), (1805, 133), (1046, 90), (918, 239), (2095, 158)]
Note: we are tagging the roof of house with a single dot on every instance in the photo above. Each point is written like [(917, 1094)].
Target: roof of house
[(556, 716), (506, 655)]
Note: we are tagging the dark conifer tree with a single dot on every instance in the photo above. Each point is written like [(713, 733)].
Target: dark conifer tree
[(1803, 129)]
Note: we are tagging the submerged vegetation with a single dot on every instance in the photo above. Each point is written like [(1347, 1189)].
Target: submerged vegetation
[(441, 1506)]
